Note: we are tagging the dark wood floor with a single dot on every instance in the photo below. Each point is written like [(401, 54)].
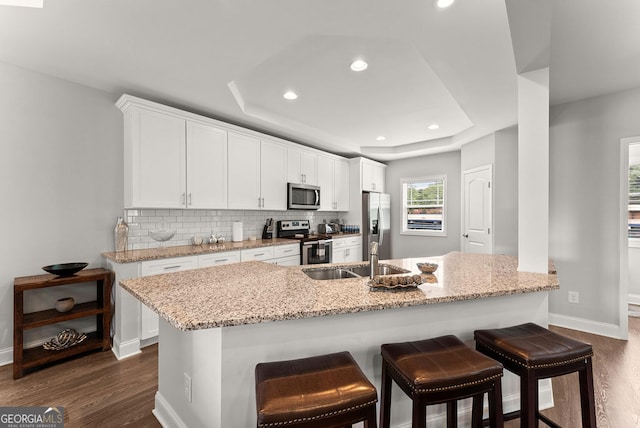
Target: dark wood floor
[(99, 391)]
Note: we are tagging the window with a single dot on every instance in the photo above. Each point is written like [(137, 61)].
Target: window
[(634, 203), (423, 206)]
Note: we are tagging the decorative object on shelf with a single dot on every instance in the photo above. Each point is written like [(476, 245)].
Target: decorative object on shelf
[(65, 339), (65, 269), (65, 304), (197, 240), (427, 267), (121, 235), (162, 235)]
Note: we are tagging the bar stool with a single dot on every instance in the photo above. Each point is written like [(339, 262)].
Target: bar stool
[(324, 391), (533, 352), (440, 370)]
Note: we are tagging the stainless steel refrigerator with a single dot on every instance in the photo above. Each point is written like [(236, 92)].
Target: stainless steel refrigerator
[(376, 224)]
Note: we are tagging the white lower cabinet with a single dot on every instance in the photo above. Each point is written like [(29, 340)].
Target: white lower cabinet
[(347, 250), (148, 318), (286, 255)]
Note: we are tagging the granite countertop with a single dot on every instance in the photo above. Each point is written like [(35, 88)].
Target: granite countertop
[(132, 256), (256, 292)]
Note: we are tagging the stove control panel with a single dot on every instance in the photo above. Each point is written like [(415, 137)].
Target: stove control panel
[(293, 225)]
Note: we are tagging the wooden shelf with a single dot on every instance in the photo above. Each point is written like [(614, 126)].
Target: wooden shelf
[(100, 308), (33, 357), (52, 316)]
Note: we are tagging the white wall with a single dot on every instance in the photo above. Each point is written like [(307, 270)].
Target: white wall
[(415, 246), (478, 153), (60, 180), (584, 201), (505, 192)]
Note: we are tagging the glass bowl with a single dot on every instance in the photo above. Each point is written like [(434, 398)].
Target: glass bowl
[(162, 235), (427, 267)]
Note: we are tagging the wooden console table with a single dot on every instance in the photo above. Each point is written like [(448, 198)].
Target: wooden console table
[(24, 359)]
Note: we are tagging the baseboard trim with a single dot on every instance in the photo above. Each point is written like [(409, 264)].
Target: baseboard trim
[(165, 414), (125, 349), (634, 299), (588, 326), (6, 356)]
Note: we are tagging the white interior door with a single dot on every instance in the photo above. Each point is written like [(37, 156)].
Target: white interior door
[(477, 220)]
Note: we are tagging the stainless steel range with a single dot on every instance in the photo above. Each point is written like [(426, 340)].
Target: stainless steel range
[(314, 249)]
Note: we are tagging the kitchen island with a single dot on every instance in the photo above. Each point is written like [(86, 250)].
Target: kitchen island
[(218, 323)]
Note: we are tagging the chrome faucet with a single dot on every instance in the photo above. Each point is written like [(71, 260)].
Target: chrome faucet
[(373, 259)]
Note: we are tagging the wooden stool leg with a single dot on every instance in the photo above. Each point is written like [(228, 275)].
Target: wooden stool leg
[(476, 411), (528, 400), (586, 395), (496, 418), (371, 422), (385, 397), (452, 414), (419, 416)]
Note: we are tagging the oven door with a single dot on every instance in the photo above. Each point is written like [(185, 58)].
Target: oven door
[(316, 252)]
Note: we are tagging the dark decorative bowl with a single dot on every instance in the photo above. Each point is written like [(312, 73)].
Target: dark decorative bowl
[(65, 269)]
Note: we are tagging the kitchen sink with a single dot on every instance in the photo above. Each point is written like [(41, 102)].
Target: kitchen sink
[(382, 270), (350, 272), (329, 273)]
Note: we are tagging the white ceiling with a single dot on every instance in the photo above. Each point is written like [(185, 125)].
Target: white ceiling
[(233, 59)]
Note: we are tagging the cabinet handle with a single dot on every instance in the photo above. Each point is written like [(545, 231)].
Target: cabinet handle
[(258, 255), (288, 251), (304, 178), (262, 202), (171, 267), (184, 199), (259, 202), (189, 198), (221, 260)]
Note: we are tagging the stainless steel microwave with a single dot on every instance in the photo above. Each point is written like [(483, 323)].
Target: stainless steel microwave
[(303, 197)]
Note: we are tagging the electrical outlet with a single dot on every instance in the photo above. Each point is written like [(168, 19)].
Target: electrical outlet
[(187, 387), (574, 297)]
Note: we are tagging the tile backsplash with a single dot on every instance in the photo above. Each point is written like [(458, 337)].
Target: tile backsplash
[(190, 223)]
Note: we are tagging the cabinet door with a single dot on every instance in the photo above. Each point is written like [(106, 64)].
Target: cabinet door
[(156, 146), (301, 166), (378, 178), (372, 177), (326, 183), (341, 185), (339, 255), (308, 167), (244, 171), (206, 166), (273, 176)]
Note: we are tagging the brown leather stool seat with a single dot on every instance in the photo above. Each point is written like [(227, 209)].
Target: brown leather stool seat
[(323, 391), (440, 370), (533, 352)]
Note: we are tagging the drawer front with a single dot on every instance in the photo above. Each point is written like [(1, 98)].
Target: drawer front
[(286, 250), (339, 243), (287, 261), (356, 240), (259, 254), (219, 259), (155, 267)]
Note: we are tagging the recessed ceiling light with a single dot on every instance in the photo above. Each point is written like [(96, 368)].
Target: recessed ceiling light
[(442, 4), (434, 126), (290, 95), (359, 65), (380, 138)]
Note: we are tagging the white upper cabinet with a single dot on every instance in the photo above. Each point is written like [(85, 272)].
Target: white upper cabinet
[(326, 183), (244, 172), (372, 176), (177, 159), (206, 166), (171, 162), (257, 173), (341, 184), (301, 166), (155, 167), (273, 175), (333, 179)]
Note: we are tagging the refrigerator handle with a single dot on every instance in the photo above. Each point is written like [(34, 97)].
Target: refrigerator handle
[(380, 226)]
